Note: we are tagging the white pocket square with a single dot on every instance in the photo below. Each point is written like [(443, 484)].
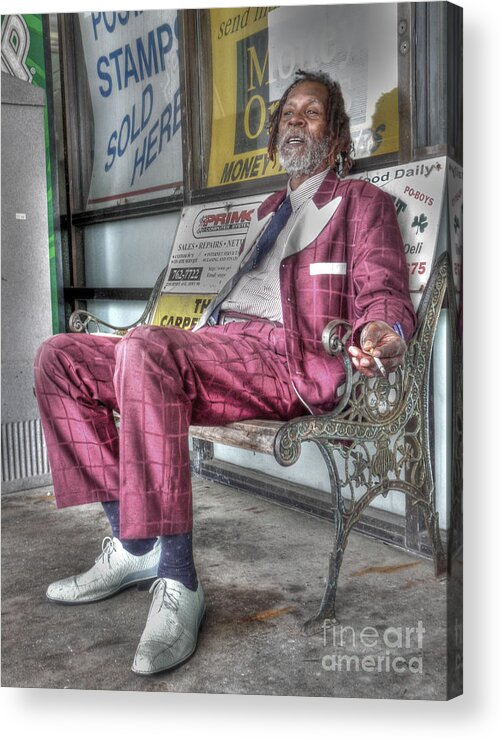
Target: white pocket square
[(328, 268)]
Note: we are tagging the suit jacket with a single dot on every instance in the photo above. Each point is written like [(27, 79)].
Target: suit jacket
[(344, 258)]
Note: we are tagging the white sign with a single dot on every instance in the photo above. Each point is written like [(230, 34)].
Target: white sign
[(208, 245), (417, 190), (133, 71)]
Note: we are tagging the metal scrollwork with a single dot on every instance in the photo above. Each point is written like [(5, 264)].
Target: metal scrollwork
[(82, 321), (378, 439)]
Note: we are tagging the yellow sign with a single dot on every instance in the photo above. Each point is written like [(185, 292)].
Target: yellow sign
[(239, 38), (181, 311)]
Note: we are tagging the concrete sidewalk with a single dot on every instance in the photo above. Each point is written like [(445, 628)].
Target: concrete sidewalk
[(263, 569)]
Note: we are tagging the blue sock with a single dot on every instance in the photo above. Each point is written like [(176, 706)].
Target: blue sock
[(135, 547), (176, 560)]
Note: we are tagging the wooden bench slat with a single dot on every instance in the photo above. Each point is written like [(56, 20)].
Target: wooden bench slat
[(255, 435)]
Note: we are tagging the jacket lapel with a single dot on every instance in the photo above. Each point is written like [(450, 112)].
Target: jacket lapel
[(259, 222), (255, 230), (327, 190), (315, 216), (271, 204)]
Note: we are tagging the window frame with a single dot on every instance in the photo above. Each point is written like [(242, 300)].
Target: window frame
[(75, 290), (429, 108)]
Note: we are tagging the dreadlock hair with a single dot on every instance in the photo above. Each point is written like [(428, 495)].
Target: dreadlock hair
[(338, 121)]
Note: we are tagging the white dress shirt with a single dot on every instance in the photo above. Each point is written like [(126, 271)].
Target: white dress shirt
[(258, 292)]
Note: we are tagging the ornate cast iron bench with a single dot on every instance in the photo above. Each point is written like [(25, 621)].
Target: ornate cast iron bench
[(377, 439)]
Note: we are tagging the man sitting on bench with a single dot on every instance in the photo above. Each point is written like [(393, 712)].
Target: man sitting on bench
[(325, 248)]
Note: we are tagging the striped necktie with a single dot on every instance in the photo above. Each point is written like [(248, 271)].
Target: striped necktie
[(262, 247)]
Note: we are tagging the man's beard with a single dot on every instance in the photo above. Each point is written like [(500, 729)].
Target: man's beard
[(308, 159)]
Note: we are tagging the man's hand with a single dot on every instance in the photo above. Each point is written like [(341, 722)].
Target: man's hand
[(378, 340)]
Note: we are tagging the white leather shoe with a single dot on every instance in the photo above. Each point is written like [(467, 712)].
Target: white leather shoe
[(113, 570), (172, 628)]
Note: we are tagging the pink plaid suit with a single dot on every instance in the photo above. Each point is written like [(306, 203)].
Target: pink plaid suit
[(344, 258)]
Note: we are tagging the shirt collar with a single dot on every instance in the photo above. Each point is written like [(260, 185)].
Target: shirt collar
[(306, 190)]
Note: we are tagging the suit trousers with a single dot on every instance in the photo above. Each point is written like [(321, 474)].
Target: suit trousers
[(160, 380)]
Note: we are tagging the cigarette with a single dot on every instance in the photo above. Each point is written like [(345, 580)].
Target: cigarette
[(380, 366)]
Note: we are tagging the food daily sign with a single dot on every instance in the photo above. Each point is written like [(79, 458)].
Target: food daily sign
[(417, 190)]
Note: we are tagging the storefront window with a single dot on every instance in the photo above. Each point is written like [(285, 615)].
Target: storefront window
[(117, 253), (255, 53)]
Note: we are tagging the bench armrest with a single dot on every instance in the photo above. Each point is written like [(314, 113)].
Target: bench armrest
[(332, 342), (82, 321), (335, 339)]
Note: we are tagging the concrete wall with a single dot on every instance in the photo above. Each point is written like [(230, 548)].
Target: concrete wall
[(26, 297)]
